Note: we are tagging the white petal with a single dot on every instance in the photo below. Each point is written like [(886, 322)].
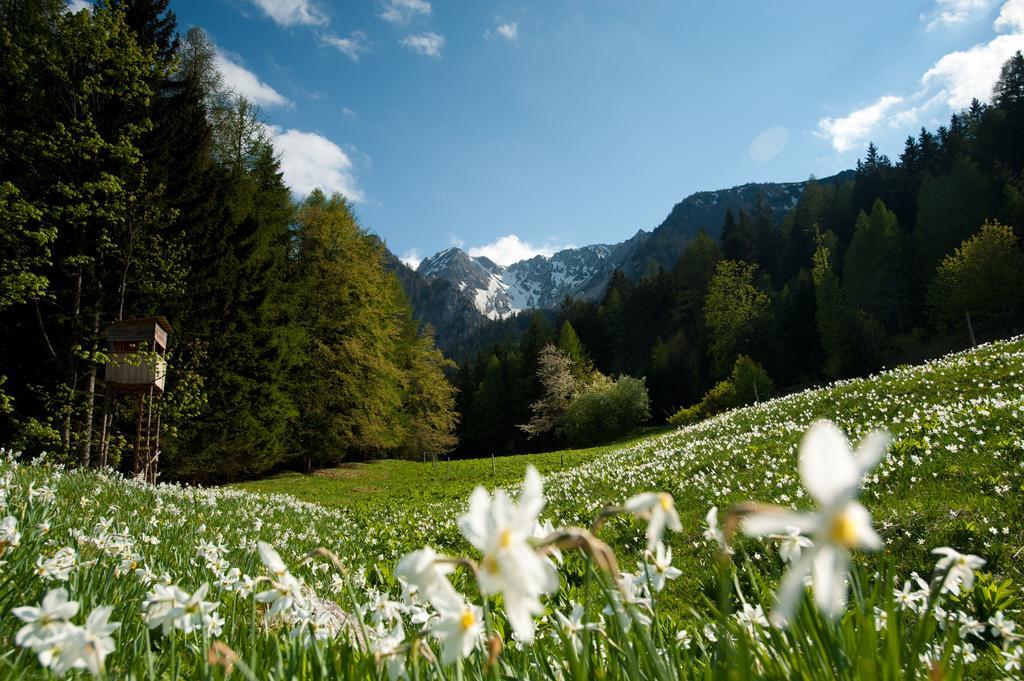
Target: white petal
[(777, 521), (867, 538), (655, 527), (473, 524), (641, 502), (827, 467), (828, 574), (872, 449), (531, 498), (790, 589)]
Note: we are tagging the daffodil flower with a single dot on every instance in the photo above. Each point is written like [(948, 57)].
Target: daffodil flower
[(660, 568), (424, 571), (501, 531), (832, 473), (957, 569), (458, 630), (659, 509), (45, 621), (791, 544)]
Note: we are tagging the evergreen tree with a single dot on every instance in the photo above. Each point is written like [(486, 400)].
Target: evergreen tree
[(874, 273)]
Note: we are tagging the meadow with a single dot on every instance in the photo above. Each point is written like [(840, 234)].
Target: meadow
[(295, 576)]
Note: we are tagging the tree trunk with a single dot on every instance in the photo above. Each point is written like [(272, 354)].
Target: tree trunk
[(85, 445)]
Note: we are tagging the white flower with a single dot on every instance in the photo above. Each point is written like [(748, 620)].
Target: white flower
[(958, 568), (660, 568), (458, 630), (832, 474), (1013, 659), (58, 567), (628, 602), (970, 626), (881, 619), (573, 625), (683, 639), (160, 604), (908, 599), (9, 535), (967, 652), (92, 643), (510, 565), (422, 570), (47, 620), (383, 610), (193, 613), (272, 559), (659, 510), (713, 532), (750, 618), (284, 594), (285, 590), (791, 544), (1002, 627), (388, 647)]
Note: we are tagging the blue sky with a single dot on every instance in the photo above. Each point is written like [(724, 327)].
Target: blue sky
[(511, 127)]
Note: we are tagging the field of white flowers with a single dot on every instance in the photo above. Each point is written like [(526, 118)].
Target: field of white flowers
[(680, 557)]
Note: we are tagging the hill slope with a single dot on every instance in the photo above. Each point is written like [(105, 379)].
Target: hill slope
[(953, 476)]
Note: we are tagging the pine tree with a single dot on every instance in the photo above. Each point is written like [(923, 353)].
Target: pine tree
[(875, 267)]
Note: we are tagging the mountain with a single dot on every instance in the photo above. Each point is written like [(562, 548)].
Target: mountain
[(498, 292), (538, 283), (451, 312)]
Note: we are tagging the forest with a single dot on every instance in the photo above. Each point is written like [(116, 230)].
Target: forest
[(910, 259), (133, 184)]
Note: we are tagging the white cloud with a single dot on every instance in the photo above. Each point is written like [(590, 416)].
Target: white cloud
[(952, 82), (401, 11), (310, 161), (76, 6), (291, 12), (509, 249), (411, 258), (429, 44), (961, 76), (246, 83), (1011, 17), (349, 113), (955, 12), (769, 144), (352, 46), (509, 30), (850, 131)]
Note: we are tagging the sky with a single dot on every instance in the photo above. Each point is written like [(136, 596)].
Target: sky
[(511, 128)]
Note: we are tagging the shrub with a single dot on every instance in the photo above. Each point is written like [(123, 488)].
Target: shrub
[(747, 383), (606, 409)]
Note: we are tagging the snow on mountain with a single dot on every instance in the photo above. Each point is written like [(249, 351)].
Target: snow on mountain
[(543, 282), (537, 283)]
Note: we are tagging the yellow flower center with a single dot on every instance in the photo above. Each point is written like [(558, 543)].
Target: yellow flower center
[(506, 539), (468, 619), (491, 564), (666, 501), (843, 531)]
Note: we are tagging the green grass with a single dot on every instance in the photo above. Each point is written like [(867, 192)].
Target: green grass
[(954, 476), (416, 483)]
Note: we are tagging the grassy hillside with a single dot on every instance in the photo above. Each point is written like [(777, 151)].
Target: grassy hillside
[(413, 483), (954, 476)]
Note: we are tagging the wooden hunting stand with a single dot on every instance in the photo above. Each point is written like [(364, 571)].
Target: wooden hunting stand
[(136, 367)]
